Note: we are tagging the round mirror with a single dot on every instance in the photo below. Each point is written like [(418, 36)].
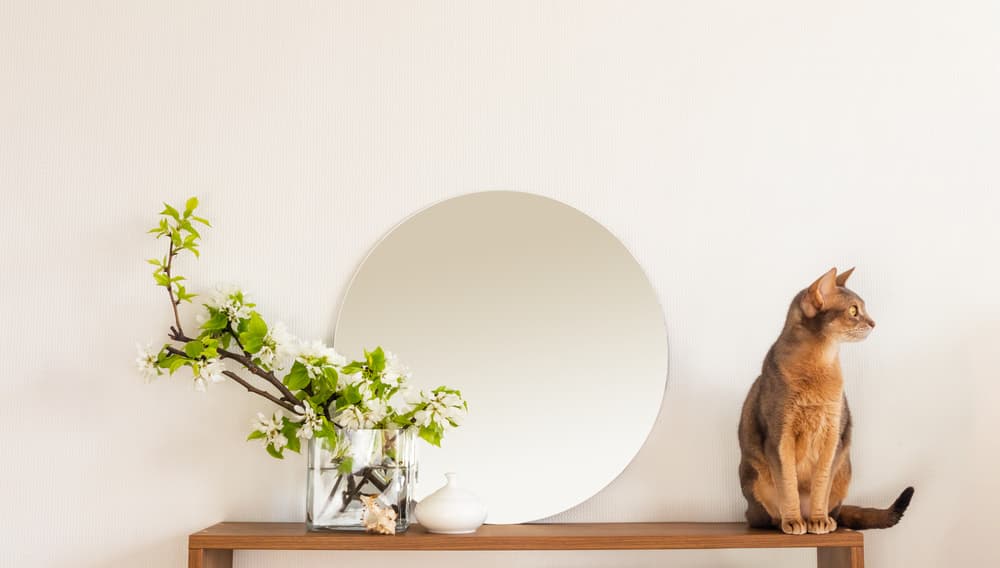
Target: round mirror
[(547, 325)]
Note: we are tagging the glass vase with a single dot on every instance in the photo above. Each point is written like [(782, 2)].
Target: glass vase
[(360, 477)]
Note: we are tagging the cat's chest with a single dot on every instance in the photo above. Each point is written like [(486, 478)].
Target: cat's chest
[(811, 421), (814, 409)]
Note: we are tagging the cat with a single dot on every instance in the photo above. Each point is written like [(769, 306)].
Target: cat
[(795, 428)]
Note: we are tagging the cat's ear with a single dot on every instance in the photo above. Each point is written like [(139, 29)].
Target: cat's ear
[(818, 293), (843, 276)]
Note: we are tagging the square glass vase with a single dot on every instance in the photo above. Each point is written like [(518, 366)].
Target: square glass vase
[(378, 465)]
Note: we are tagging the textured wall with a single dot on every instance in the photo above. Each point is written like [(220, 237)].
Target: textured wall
[(738, 149)]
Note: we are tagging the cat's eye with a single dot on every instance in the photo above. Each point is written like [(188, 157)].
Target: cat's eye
[(853, 311)]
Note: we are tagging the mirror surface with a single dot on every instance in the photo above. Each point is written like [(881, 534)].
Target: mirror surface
[(547, 325)]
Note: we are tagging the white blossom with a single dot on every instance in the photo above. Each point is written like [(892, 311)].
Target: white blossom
[(355, 380), (395, 372), (146, 362), (346, 380), (360, 418), (404, 400), (285, 345), (271, 428), (441, 408), (265, 355), (211, 371), (376, 412), (311, 422), (319, 350), (231, 301), (315, 355), (351, 418)]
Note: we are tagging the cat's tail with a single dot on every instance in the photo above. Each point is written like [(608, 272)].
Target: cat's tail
[(859, 518)]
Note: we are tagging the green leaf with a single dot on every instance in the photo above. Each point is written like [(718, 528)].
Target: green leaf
[(154, 261), (319, 399), (352, 394), (175, 237), (432, 434), (183, 295), (190, 206), (217, 322), (328, 432), (201, 220), (330, 374), (256, 330), (274, 453), (168, 210), (255, 435), (160, 229), (298, 377), (187, 226), (290, 430), (376, 360), (346, 466), (211, 348), (353, 367), (194, 348), (161, 278), (173, 362)]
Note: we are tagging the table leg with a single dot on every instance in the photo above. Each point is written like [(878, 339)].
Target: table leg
[(210, 558), (846, 557)]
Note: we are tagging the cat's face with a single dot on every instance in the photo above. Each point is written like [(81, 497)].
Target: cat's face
[(831, 309), (846, 318)]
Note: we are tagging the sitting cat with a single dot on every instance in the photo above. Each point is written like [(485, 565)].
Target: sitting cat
[(795, 429)]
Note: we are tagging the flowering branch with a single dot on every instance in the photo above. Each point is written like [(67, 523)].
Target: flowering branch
[(247, 362), (315, 384), (279, 401)]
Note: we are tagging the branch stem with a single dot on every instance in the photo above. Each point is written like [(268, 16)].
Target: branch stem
[(280, 402), (262, 393), (170, 286), (248, 363)]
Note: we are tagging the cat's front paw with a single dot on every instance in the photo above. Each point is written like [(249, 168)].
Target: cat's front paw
[(793, 526), (821, 525)]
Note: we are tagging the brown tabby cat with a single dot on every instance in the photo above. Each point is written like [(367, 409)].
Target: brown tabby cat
[(795, 430)]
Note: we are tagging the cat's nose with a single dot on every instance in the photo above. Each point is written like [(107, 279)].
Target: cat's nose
[(871, 323)]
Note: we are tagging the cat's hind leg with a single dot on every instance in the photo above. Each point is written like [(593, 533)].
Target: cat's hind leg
[(758, 488), (758, 517)]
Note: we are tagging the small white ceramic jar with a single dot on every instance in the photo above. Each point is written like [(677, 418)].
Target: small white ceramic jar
[(451, 510)]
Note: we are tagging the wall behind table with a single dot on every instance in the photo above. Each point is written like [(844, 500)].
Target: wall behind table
[(738, 149)]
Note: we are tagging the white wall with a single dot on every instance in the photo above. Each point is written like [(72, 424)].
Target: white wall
[(738, 149)]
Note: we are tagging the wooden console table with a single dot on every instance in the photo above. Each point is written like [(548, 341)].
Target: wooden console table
[(214, 546)]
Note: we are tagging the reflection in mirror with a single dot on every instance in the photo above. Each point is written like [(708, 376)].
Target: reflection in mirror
[(544, 321)]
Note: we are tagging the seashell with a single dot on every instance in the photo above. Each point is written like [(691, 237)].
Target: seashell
[(378, 519)]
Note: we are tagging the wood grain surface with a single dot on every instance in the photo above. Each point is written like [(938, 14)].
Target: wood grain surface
[(574, 536)]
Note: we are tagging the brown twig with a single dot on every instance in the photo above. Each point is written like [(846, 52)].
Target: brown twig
[(255, 390), (248, 363), (170, 286), (280, 402), (269, 376)]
